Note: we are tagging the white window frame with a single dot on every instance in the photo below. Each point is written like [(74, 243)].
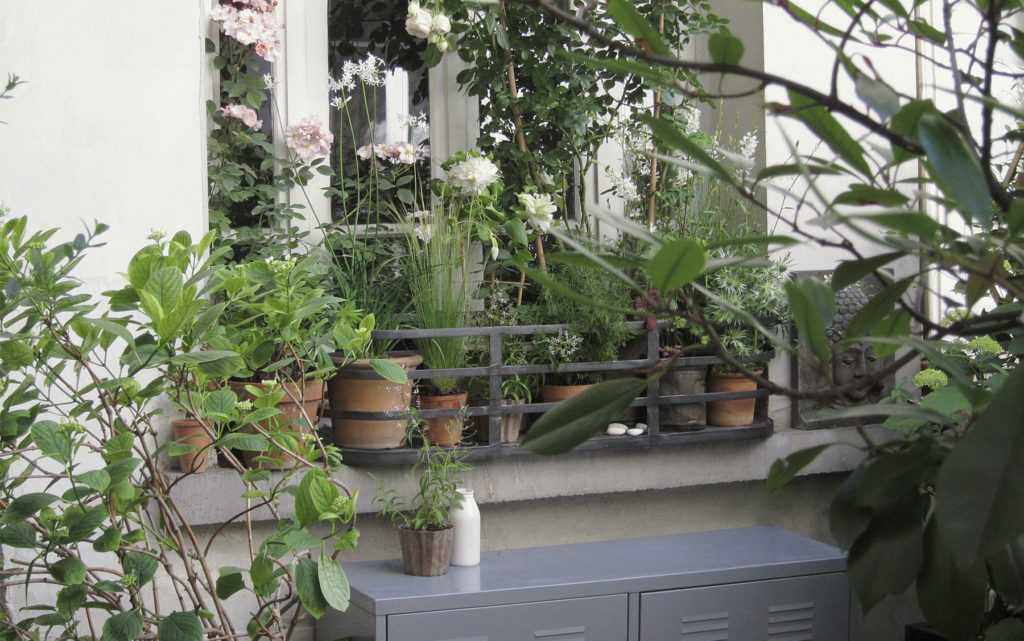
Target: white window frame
[(301, 91)]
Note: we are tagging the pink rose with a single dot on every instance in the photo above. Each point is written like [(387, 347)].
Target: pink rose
[(240, 112)]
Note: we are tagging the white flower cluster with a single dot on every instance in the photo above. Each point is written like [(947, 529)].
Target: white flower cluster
[(434, 27), (398, 153), (622, 185), (563, 346), (256, 26), (473, 175), (539, 210), (415, 122)]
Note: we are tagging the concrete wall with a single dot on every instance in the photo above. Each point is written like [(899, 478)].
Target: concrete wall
[(111, 127)]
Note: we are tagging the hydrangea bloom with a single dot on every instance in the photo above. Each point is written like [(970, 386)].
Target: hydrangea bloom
[(399, 153), (539, 209), (309, 139), (474, 174), (240, 112)]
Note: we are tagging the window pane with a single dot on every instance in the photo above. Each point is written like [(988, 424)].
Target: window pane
[(380, 107)]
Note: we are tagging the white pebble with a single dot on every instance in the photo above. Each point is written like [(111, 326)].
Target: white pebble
[(635, 431), (641, 426), (616, 429)]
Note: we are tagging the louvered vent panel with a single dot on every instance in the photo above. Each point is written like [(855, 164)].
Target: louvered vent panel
[(791, 622), (705, 627)]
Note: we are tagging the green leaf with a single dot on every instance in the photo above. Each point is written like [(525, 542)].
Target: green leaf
[(68, 571), (950, 594), (812, 305), (668, 134), (109, 541), (725, 48), (213, 363), (925, 30), (180, 626), (677, 263), (886, 558), (51, 441), (956, 169), (307, 510), (817, 118), (264, 578), (229, 582), (18, 535), (220, 404), (81, 523), (26, 505), (516, 231), (880, 306), (142, 566), (98, 480), (307, 584), (70, 599), (860, 195), (785, 470), (632, 22), (980, 486), (125, 626), (333, 583), (904, 123), (575, 420), (245, 442), (847, 519), (853, 271), (389, 370), (112, 327)]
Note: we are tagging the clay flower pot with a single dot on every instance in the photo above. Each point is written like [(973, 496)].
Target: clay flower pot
[(682, 382), (732, 413), (558, 393), (445, 431), (300, 413), (190, 432), (357, 388), (426, 552)]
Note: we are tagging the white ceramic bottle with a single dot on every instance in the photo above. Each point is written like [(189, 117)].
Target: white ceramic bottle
[(466, 520)]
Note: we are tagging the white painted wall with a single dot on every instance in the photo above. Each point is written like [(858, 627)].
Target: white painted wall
[(111, 125)]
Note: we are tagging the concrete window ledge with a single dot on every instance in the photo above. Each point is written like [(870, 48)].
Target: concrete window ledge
[(215, 495)]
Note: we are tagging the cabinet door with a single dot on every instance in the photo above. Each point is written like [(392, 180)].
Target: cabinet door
[(591, 619), (810, 608)]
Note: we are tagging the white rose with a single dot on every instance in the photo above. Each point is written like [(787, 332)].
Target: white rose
[(418, 22), (441, 24), (539, 208), (474, 174)]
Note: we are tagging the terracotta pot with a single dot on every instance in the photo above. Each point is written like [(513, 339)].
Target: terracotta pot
[(445, 431), (732, 413), (557, 393), (684, 382), (300, 414), (356, 388), (426, 552), (190, 432)]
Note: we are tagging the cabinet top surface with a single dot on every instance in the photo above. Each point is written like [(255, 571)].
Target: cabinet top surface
[(592, 569)]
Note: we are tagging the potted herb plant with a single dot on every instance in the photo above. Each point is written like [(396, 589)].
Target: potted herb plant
[(738, 291), (596, 333), (514, 391), (424, 524), (440, 280), (278, 317)]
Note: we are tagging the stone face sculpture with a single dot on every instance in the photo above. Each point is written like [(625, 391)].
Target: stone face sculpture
[(855, 361), (851, 362)]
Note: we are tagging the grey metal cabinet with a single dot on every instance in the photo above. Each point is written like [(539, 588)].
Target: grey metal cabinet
[(594, 619), (810, 608), (754, 584)]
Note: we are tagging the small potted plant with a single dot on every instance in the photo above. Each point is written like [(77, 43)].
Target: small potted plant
[(514, 391), (441, 282), (424, 524), (277, 316), (759, 292)]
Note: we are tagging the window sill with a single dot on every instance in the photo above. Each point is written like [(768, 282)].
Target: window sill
[(210, 497)]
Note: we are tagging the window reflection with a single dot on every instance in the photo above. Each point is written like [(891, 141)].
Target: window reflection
[(379, 115)]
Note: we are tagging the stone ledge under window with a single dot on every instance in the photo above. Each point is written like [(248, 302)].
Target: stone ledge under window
[(215, 495)]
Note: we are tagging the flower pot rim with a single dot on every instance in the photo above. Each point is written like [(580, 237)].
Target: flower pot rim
[(406, 528), (716, 372), (406, 358), (462, 396), (186, 422)]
